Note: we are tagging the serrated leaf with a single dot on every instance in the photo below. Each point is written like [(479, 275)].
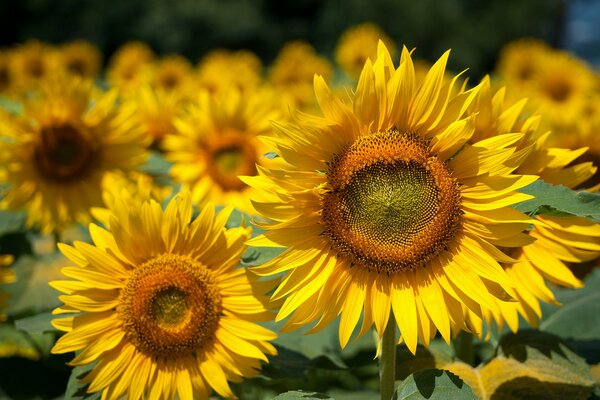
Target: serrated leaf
[(433, 384), (529, 364), (579, 316), (559, 199), (301, 395)]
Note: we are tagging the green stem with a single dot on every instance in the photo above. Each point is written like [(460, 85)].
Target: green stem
[(463, 346), (387, 360)]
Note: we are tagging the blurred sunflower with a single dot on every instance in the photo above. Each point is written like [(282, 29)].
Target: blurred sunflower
[(357, 44), (80, 58), (32, 63), (217, 140), (222, 70), (173, 74), (57, 153), (130, 66), (555, 239), (520, 60), (359, 243), (156, 110), (160, 305), (293, 70), (561, 86)]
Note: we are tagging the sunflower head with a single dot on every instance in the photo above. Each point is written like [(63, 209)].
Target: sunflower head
[(387, 211), (217, 141), (520, 60), (160, 293), (293, 70), (173, 74), (222, 70), (6, 73), (32, 63), (357, 44), (80, 58), (130, 66), (60, 149)]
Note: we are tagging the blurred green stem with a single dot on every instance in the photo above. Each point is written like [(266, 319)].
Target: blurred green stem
[(387, 361), (463, 346)]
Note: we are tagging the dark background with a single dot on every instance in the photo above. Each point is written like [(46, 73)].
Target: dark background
[(474, 29)]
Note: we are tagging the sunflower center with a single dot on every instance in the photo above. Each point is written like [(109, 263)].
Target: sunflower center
[(230, 155), (63, 153), (170, 306), (391, 205), (169, 80), (559, 90), (76, 66)]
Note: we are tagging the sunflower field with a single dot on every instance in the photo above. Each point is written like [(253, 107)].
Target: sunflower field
[(365, 224)]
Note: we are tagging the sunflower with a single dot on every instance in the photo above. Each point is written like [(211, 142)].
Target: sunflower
[(160, 305), (156, 110), (520, 60), (216, 141), (293, 70), (130, 66), (32, 63), (357, 44), (173, 74), (80, 58), (555, 239), (57, 153), (386, 212), (222, 70)]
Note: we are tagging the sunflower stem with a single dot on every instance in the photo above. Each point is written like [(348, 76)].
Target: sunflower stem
[(387, 360), (463, 346)]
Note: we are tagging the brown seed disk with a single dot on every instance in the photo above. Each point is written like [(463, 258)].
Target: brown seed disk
[(170, 306), (392, 205)]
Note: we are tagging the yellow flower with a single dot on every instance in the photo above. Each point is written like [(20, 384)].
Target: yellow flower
[(173, 74), (293, 70), (80, 58), (32, 63), (555, 239), (360, 243), (520, 60), (217, 141), (156, 110), (160, 305), (130, 66), (222, 70), (56, 155), (359, 43)]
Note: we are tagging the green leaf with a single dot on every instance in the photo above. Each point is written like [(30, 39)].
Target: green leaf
[(17, 343), (294, 365), (156, 164), (433, 384), (559, 199), (579, 316), (37, 324), (435, 356), (301, 395), (10, 105), (76, 390), (529, 365), (11, 221)]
